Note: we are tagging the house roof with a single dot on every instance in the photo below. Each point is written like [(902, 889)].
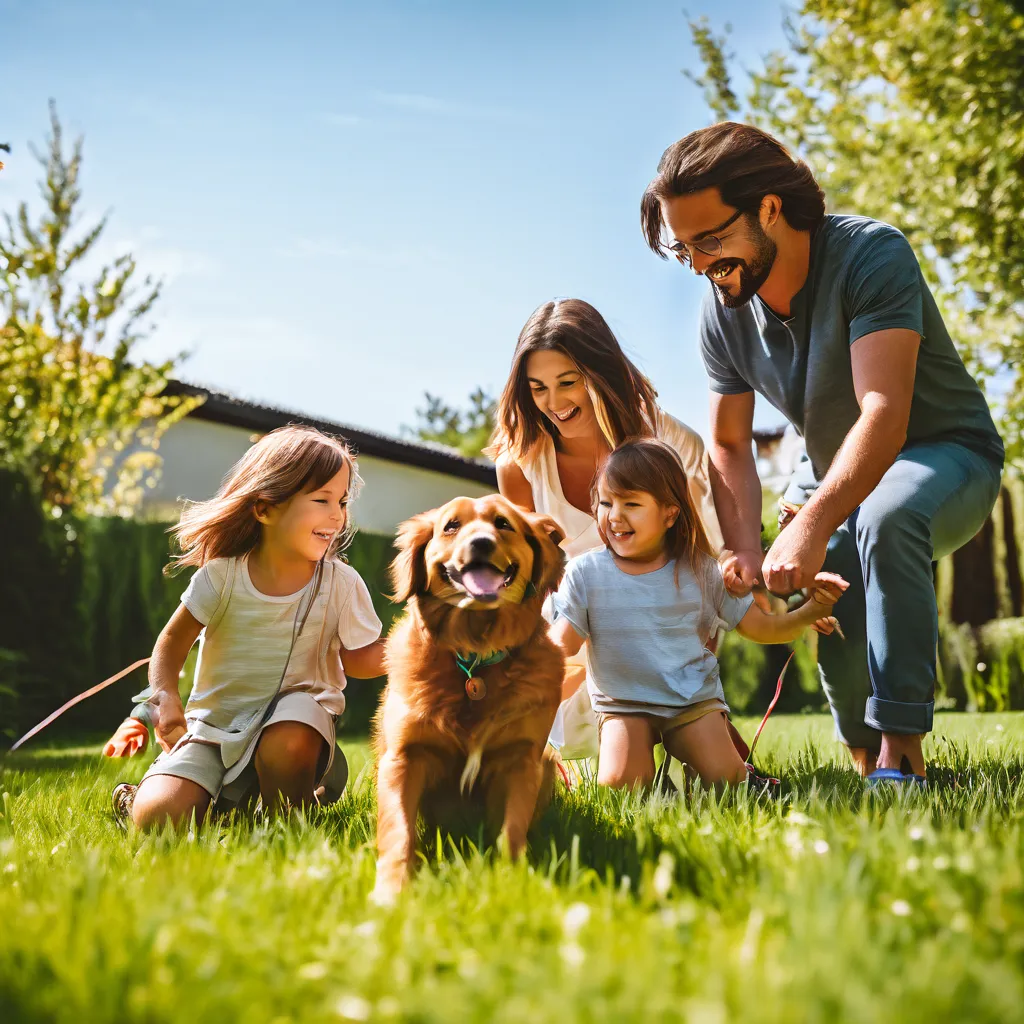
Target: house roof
[(218, 407)]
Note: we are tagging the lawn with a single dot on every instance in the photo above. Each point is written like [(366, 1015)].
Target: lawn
[(829, 905)]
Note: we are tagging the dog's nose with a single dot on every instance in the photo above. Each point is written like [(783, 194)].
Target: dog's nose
[(481, 546)]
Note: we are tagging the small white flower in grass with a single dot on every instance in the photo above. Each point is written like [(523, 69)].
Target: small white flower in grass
[(572, 954), (820, 846), (999, 728), (9, 868), (901, 908), (350, 1007), (365, 929), (940, 863), (664, 874), (912, 864), (916, 833), (574, 918), (981, 666), (313, 971), (796, 818)]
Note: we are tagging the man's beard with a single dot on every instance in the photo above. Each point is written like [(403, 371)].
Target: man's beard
[(753, 274)]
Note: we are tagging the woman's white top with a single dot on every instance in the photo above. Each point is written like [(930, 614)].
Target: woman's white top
[(580, 528)]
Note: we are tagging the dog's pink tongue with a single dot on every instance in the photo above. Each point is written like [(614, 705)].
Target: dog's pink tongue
[(482, 580)]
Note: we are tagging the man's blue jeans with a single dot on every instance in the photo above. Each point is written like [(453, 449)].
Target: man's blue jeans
[(932, 500)]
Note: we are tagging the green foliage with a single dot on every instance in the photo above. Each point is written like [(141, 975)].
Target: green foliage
[(467, 430), (911, 113), (830, 906), (78, 417)]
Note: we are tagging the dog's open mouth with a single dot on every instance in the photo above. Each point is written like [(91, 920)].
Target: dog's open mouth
[(481, 580)]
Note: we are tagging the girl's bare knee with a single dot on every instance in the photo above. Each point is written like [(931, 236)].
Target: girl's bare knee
[(164, 799), (288, 748)]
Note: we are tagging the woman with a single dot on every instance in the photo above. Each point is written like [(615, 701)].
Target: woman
[(572, 396)]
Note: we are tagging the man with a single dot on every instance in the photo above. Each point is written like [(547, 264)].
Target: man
[(831, 320)]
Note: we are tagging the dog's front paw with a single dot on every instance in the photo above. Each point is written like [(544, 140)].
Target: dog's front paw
[(388, 886)]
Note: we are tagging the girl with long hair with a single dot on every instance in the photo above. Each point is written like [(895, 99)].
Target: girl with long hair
[(281, 622), (646, 604)]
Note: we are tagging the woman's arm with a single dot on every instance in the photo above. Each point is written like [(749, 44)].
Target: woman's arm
[(512, 482), (176, 639), (364, 662), (765, 628)]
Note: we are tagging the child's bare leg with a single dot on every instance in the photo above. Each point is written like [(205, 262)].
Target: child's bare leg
[(707, 747), (163, 798), (286, 762), (627, 752)]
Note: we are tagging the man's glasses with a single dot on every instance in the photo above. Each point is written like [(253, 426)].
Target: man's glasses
[(709, 245)]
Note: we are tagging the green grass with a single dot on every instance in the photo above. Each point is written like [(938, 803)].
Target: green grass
[(830, 905)]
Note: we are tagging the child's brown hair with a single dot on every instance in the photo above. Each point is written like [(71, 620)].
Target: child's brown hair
[(649, 465), (281, 464)]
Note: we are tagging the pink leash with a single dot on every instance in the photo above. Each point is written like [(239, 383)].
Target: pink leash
[(771, 708), (76, 700)]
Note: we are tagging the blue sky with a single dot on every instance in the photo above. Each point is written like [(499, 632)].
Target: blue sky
[(353, 203)]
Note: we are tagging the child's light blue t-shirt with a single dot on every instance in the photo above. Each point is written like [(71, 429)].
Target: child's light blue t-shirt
[(646, 635)]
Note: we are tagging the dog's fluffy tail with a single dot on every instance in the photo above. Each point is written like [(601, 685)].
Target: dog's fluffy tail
[(471, 771)]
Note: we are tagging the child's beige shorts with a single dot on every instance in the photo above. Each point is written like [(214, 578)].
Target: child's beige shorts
[(201, 763), (661, 727)]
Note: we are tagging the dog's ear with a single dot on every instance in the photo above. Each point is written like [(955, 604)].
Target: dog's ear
[(409, 570), (544, 537)]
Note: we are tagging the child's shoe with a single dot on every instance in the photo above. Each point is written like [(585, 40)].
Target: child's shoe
[(121, 800)]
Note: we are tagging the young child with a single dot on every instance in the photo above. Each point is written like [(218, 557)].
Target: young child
[(281, 622), (647, 604)]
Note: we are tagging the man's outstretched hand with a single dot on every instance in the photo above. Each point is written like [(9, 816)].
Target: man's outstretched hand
[(794, 560)]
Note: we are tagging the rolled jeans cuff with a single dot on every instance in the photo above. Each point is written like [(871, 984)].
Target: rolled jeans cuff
[(896, 716)]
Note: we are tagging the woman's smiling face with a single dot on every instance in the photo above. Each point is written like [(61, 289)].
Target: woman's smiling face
[(560, 392)]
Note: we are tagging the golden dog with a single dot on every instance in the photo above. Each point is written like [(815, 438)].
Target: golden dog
[(473, 680)]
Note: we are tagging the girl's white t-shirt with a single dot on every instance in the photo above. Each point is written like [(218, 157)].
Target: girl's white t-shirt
[(244, 647)]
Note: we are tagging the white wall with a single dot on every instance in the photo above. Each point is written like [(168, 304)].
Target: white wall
[(197, 454)]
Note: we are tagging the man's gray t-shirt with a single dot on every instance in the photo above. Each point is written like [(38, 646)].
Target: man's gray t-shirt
[(646, 635), (863, 277)]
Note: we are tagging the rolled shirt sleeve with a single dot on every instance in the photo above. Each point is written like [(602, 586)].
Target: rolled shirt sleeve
[(883, 290)]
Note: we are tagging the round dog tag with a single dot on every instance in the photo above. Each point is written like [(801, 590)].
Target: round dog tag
[(476, 688)]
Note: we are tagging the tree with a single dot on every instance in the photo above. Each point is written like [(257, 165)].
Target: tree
[(467, 430), (78, 416), (910, 111)]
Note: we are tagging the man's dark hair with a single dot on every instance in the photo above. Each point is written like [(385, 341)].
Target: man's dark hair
[(745, 164)]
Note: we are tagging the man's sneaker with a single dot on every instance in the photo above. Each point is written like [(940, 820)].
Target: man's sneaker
[(121, 800), (759, 784)]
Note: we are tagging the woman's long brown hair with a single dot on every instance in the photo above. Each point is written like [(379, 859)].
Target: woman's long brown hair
[(652, 466), (624, 399), (281, 464)]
